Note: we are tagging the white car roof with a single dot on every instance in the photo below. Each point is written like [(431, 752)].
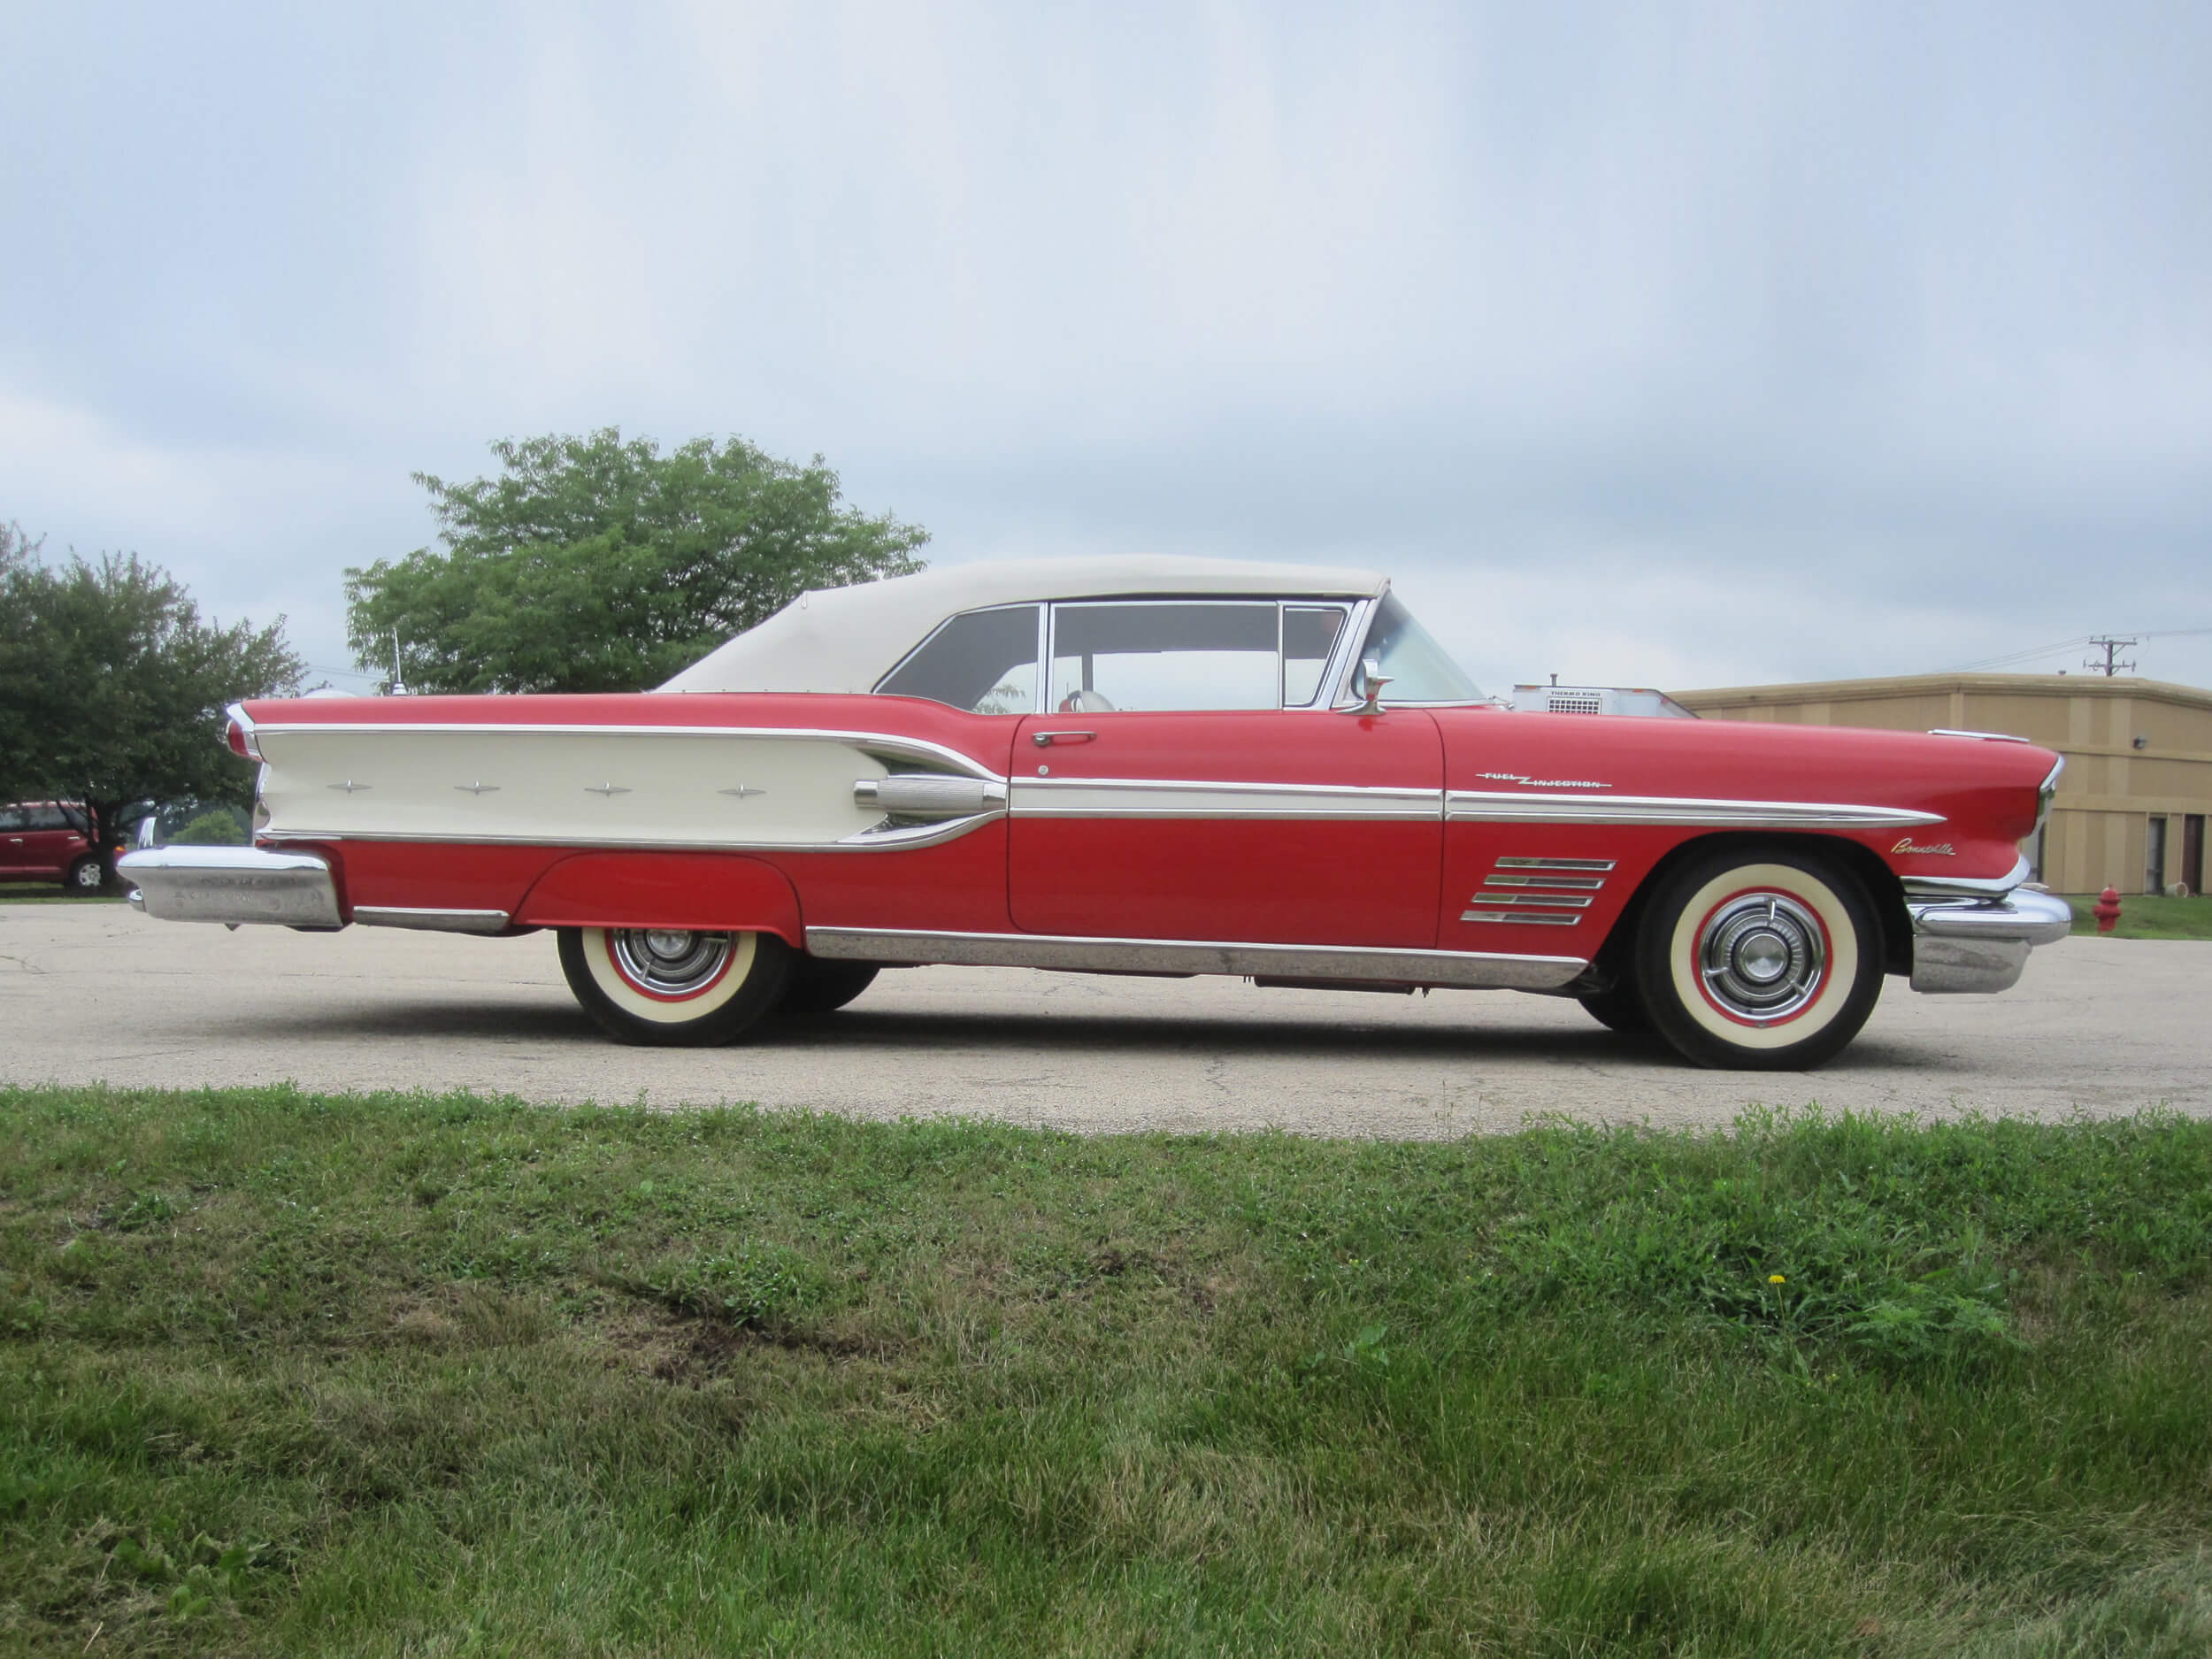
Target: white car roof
[(846, 639)]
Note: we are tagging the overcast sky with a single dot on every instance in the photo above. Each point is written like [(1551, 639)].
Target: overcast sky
[(1681, 344)]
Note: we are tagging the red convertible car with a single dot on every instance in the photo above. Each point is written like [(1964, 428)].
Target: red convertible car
[(1140, 765)]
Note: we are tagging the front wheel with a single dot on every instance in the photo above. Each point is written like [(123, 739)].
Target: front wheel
[(671, 987), (1760, 960), (86, 875)]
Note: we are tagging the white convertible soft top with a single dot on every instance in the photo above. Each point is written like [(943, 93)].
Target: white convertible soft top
[(846, 639)]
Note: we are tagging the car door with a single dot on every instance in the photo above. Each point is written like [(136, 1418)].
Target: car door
[(1172, 795), (14, 843), (51, 842)]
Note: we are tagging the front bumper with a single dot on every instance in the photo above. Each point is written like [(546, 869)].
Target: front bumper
[(232, 885), (1965, 944)]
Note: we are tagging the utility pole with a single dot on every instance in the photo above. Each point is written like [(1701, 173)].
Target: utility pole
[(2112, 648)]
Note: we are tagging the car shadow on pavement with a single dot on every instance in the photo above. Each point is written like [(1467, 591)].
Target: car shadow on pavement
[(1054, 1031), (1232, 1038)]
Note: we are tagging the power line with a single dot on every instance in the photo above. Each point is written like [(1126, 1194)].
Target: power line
[(2080, 642), (2052, 649)]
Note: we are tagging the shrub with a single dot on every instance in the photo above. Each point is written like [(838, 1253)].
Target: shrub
[(216, 827)]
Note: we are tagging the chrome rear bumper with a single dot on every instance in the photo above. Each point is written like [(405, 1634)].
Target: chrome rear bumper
[(1963, 944), (232, 885)]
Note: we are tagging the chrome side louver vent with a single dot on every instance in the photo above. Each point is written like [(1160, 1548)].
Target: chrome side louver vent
[(1541, 892)]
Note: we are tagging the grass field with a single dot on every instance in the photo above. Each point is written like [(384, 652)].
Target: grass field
[(281, 1373), (50, 893), (2147, 916)]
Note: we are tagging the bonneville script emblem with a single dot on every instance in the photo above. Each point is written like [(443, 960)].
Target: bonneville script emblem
[(1941, 849)]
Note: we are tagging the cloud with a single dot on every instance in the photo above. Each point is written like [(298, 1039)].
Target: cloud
[(1703, 344)]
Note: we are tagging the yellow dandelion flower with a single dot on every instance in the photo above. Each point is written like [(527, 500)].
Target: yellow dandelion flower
[(1776, 1278)]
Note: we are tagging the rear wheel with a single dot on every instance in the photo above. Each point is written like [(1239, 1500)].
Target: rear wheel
[(1760, 960), (823, 988), (673, 987)]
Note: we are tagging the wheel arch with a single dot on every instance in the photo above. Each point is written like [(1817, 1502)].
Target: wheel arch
[(1882, 889), (694, 892)]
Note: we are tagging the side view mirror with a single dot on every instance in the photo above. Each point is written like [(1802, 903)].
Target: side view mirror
[(1369, 682), (146, 830)]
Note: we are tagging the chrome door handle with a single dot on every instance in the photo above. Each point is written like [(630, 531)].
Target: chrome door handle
[(1045, 740)]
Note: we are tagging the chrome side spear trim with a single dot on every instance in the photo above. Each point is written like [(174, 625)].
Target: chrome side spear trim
[(1466, 969), (1489, 806)]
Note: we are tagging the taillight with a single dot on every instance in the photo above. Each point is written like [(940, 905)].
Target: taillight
[(238, 735)]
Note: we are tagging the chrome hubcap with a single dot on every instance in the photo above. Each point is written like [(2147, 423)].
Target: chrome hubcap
[(1761, 956), (668, 961), (89, 876)]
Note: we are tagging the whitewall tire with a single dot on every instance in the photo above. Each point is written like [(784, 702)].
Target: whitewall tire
[(669, 986), (1763, 959)]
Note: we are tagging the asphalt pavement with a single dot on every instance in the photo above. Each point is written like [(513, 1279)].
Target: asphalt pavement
[(97, 993)]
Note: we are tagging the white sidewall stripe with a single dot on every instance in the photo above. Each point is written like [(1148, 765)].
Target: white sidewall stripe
[(599, 958), (1837, 978)]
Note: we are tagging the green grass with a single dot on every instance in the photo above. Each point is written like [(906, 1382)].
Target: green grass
[(2147, 916), (52, 893), (286, 1374)]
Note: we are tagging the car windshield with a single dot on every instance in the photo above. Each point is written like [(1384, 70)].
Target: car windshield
[(1419, 670)]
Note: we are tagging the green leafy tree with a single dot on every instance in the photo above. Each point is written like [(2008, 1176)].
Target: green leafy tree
[(590, 564), (113, 688)]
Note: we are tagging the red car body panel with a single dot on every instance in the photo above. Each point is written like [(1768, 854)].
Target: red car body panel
[(717, 891), (1277, 880)]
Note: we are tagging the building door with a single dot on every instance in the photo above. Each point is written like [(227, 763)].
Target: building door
[(2192, 851), (2154, 855)]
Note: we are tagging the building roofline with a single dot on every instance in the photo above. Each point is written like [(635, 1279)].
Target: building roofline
[(1925, 685)]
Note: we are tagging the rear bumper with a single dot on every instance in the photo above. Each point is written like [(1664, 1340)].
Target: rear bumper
[(232, 885), (1967, 944)]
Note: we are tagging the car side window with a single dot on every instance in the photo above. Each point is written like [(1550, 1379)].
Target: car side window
[(1164, 654), (982, 661), (10, 817), (44, 817), (1309, 636)]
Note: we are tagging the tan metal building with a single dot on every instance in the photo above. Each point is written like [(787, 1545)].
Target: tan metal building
[(2131, 807)]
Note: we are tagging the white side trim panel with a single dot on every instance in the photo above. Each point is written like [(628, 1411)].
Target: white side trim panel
[(597, 786)]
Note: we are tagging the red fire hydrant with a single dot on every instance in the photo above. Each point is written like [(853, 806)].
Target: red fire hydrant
[(2105, 910)]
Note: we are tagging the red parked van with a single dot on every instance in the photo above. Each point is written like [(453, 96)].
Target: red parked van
[(46, 841)]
